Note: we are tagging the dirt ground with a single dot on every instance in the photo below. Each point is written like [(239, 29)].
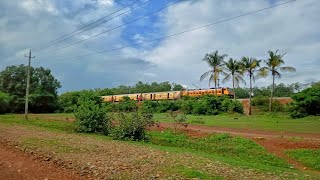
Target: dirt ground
[(274, 142), (103, 159), (15, 165)]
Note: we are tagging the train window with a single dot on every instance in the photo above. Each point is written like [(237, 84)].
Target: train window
[(150, 96), (168, 95)]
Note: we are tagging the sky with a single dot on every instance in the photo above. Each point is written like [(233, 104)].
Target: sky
[(292, 29)]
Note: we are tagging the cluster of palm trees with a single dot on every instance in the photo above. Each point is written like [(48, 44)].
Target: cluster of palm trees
[(235, 70)]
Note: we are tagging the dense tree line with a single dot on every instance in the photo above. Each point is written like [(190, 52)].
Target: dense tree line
[(280, 90), (141, 87), (43, 89)]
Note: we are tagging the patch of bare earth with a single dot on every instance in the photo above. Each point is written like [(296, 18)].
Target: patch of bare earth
[(99, 158), (15, 165), (275, 142)]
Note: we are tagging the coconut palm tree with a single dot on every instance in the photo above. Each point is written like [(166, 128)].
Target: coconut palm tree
[(274, 66), (234, 69), (251, 66), (215, 61)]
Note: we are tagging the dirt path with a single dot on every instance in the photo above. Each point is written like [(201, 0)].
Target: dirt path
[(275, 142), (249, 133), (15, 165)]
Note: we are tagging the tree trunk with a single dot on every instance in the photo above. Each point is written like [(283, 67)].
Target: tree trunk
[(250, 93), (271, 97), (234, 92)]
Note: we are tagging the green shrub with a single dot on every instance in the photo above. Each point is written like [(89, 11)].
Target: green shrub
[(4, 103), (90, 114), (229, 105), (131, 126), (262, 102), (69, 101), (125, 105), (167, 105), (307, 102), (149, 106)]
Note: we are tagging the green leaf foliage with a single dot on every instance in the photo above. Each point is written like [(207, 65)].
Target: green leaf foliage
[(43, 88), (262, 102), (131, 126), (307, 102), (4, 103), (90, 115)]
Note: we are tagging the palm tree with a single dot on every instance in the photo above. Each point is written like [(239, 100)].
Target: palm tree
[(235, 72), (215, 61), (274, 65), (251, 67)]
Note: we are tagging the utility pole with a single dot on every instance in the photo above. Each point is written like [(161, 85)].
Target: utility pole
[(28, 85)]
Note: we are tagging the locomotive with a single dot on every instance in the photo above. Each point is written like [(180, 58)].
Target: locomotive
[(169, 95)]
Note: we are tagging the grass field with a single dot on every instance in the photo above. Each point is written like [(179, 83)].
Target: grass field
[(269, 122), (165, 155), (308, 157)]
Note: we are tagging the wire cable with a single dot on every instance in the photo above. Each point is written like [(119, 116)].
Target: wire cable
[(71, 34), (117, 27), (183, 32)]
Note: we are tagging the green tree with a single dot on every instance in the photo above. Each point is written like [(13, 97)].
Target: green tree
[(4, 103), (177, 87), (274, 66), (43, 88), (251, 67), (307, 102), (90, 114), (215, 61), (234, 69)]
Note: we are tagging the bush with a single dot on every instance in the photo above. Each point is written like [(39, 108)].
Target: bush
[(69, 101), (90, 114), (232, 106), (132, 126), (164, 106), (262, 102), (126, 105), (4, 103), (149, 106), (307, 102)]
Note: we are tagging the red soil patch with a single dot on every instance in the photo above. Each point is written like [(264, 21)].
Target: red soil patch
[(16, 165), (275, 142)]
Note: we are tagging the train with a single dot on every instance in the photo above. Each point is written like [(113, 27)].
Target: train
[(169, 95)]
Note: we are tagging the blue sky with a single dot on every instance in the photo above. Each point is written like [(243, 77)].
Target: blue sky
[(293, 28)]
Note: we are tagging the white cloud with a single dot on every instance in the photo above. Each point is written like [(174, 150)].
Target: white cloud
[(292, 28), (35, 6)]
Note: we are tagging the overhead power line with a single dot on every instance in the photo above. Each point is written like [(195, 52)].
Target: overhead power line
[(87, 27), (182, 32), (117, 27)]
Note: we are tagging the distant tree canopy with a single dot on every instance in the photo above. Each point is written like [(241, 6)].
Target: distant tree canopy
[(280, 90), (43, 88), (141, 87)]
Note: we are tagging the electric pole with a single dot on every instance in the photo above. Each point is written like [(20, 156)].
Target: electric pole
[(28, 85)]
